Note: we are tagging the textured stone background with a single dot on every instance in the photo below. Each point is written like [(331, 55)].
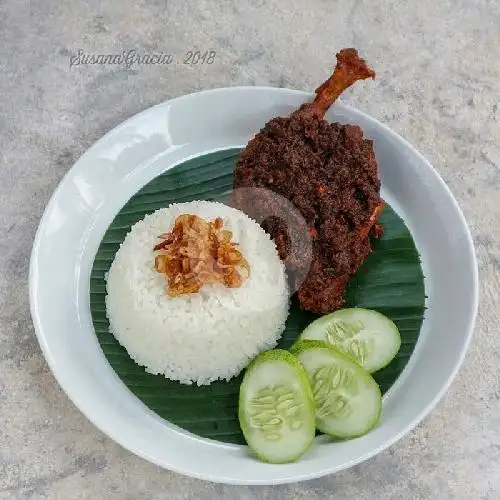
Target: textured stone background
[(438, 66)]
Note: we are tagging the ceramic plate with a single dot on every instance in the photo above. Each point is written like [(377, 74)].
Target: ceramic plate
[(147, 145)]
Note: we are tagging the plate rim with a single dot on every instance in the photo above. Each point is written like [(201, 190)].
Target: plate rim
[(59, 376)]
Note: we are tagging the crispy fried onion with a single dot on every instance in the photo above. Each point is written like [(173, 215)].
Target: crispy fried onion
[(198, 252)]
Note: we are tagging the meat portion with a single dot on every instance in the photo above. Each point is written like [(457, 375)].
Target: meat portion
[(329, 172)]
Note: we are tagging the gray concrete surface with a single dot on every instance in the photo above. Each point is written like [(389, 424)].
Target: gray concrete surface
[(438, 65)]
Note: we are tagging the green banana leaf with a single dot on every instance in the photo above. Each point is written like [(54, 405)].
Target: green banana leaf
[(390, 281)]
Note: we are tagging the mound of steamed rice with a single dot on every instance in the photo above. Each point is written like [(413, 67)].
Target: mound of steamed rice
[(212, 334)]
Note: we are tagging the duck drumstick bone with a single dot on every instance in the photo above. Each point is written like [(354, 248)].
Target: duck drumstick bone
[(349, 69)]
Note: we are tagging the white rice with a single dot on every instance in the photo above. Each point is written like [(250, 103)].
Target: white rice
[(210, 335)]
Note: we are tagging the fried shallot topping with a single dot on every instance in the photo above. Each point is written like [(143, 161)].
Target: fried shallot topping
[(198, 252)]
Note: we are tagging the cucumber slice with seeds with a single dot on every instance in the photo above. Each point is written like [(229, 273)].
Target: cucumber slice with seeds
[(276, 407), (368, 336), (348, 401)]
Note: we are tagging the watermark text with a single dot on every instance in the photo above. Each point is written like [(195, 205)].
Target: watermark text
[(134, 57)]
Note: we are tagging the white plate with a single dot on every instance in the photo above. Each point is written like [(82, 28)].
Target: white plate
[(117, 166)]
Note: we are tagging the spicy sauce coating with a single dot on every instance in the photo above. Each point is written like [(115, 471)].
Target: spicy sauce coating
[(329, 172)]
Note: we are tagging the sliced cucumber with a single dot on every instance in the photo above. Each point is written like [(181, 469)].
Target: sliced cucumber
[(348, 401), (276, 407), (371, 338)]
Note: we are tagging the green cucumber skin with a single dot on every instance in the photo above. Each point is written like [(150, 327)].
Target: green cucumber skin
[(305, 345), (326, 318), (278, 355)]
